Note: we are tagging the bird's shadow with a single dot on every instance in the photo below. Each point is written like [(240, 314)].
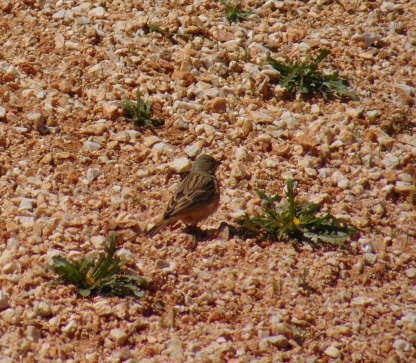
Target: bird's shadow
[(202, 235)]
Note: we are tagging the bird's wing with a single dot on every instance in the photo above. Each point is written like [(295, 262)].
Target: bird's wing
[(194, 190)]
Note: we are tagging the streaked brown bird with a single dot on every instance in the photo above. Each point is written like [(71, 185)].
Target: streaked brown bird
[(197, 197)]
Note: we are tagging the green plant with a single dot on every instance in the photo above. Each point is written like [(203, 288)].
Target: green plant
[(154, 28), (93, 276), (234, 12), (297, 223), (304, 77), (140, 111)]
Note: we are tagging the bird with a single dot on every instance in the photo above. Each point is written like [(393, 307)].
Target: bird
[(197, 197)]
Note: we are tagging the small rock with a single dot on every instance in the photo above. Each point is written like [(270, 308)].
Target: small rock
[(63, 155), (260, 117), (354, 112), (279, 341), (2, 112), (161, 264), (194, 149), (284, 329), (92, 174), (26, 204), (401, 344), (110, 111), (6, 6), (332, 352), (362, 300), (47, 159), (208, 297), (70, 328), (411, 273), (62, 14), (11, 73), (98, 242), (345, 296), (344, 330), (391, 161), (91, 146), (59, 41), (188, 77), (180, 165), (217, 105), (237, 171), (343, 184), (291, 122), (27, 222), (102, 308), (373, 115), (370, 258), (33, 333), (96, 130), (118, 335), (241, 154), (98, 12), (4, 302), (338, 176), (272, 163)]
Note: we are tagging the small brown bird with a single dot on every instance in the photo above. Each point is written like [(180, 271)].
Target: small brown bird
[(197, 197)]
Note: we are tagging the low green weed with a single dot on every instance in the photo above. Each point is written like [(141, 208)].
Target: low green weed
[(140, 111), (304, 77), (234, 12), (93, 276), (297, 223)]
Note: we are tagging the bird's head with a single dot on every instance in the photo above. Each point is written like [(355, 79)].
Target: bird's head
[(205, 163)]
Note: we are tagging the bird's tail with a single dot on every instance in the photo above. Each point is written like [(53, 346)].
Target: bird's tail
[(155, 229)]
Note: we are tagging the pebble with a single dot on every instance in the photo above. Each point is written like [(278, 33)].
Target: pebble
[(194, 149), (391, 162), (92, 174), (161, 264), (401, 344), (343, 184), (103, 308), (411, 273), (70, 328), (118, 335), (373, 115), (370, 258), (4, 302), (2, 112), (91, 146), (33, 333), (291, 122), (279, 341), (216, 105), (96, 130), (99, 242), (180, 165), (27, 222), (26, 204), (241, 154), (62, 14), (284, 329), (207, 297), (260, 117), (97, 12), (110, 111), (338, 176), (332, 352)]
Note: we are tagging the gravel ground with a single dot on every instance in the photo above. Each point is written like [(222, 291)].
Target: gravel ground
[(72, 170)]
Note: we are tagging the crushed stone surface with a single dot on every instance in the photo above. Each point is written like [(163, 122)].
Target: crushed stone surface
[(72, 169)]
